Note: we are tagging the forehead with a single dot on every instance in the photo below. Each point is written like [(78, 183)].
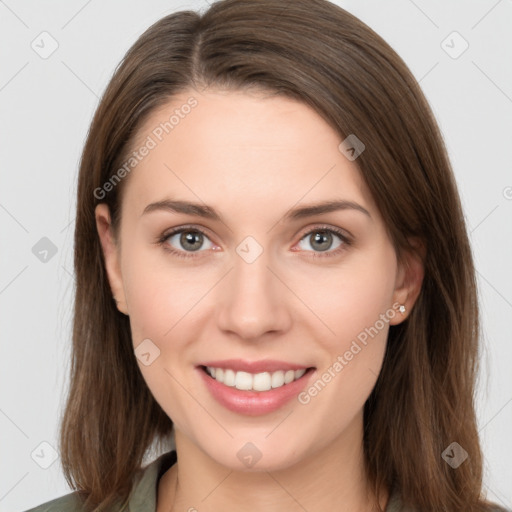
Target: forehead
[(239, 148)]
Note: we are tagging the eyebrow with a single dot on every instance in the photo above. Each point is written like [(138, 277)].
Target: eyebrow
[(202, 210)]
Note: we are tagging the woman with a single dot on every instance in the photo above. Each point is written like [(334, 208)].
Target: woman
[(315, 346)]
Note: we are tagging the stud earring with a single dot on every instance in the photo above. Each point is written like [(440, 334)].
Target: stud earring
[(401, 309)]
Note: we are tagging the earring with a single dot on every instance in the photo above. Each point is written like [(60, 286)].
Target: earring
[(401, 309)]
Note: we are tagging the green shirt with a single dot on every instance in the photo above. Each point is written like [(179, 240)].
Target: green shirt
[(144, 493)]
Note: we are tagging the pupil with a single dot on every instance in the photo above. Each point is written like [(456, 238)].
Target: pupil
[(322, 236), (187, 237)]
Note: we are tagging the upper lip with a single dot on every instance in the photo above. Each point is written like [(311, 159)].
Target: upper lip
[(266, 365)]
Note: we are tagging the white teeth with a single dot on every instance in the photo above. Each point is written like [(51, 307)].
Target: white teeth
[(277, 379), (229, 378), (243, 380), (289, 376), (262, 381), (299, 373), (254, 382)]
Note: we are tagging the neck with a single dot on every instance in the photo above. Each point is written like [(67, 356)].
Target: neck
[(330, 479)]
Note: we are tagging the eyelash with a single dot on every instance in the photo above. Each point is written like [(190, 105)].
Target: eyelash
[(184, 254)]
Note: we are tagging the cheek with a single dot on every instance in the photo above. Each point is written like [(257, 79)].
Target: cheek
[(162, 301), (347, 298), (357, 309), (351, 299), (160, 293)]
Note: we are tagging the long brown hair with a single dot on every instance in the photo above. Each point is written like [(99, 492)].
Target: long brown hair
[(317, 53)]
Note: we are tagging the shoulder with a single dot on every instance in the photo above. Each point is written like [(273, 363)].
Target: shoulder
[(143, 495), (395, 503), (67, 503)]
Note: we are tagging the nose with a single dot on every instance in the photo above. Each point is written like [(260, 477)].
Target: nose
[(252, 301)]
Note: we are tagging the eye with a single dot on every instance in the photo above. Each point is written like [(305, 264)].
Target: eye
[(323, 240), (187, 241), (184, 240)]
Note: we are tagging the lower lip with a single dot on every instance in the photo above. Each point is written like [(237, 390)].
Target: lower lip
[(254, 403)]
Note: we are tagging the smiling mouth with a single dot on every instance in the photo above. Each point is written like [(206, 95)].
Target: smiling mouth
[(264, 381)]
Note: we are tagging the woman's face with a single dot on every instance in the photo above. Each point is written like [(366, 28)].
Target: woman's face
[(256, 282)]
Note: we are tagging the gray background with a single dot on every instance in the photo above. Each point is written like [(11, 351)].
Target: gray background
[(47, 105)]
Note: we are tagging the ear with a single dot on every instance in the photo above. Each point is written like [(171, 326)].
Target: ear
[(111, 256), (411, 270)]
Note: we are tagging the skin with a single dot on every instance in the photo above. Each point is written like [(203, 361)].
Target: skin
[(253, 158)]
